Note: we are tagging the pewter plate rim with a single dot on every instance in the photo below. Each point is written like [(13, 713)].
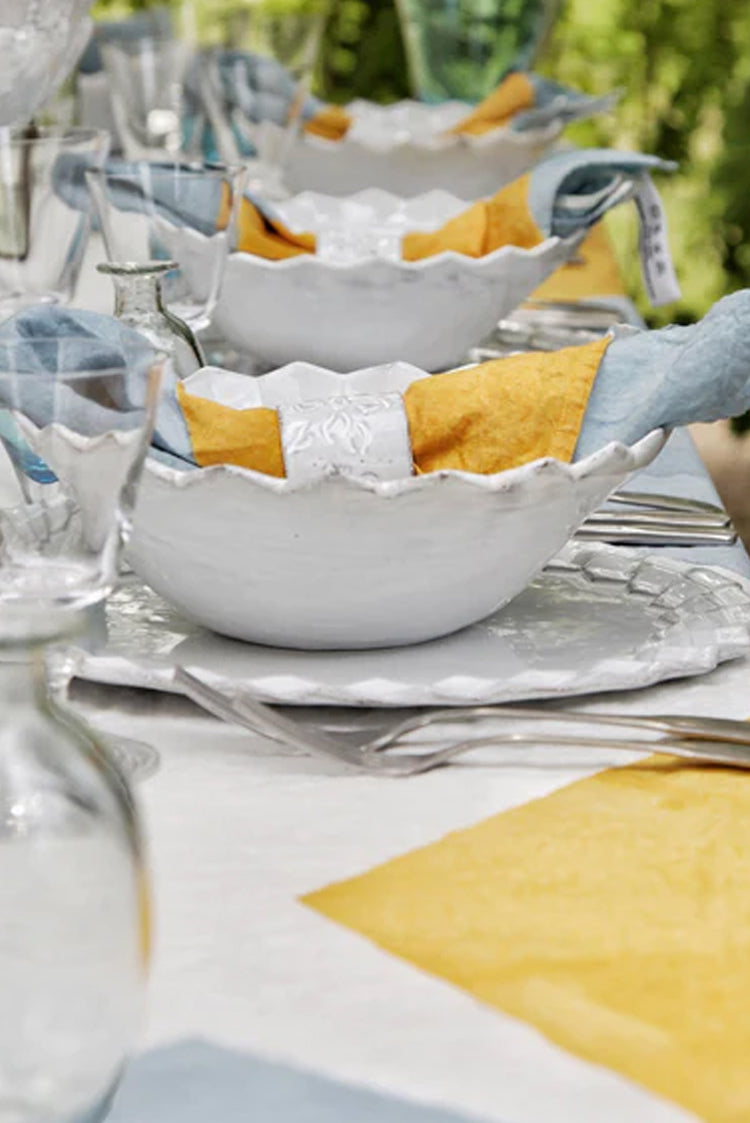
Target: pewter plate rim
[(699, 617)]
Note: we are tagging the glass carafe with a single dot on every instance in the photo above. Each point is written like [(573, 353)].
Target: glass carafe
[(139, 304)]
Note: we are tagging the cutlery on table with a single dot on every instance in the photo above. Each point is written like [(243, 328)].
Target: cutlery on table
[(640, 518), (707, 740), (635, 533), (676, 504)]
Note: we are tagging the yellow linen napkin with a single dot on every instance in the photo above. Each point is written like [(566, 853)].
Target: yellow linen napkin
[(505, 219), (495, 416), (594, 273), (613, 916), (514, 94)]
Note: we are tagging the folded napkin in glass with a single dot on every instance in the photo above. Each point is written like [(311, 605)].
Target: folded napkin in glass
[(141, 187), (48, 336), (195, 1082), (485, 419)]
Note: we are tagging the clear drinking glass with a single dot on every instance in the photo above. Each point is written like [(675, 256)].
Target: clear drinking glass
[(75, 906), (39, 45), (76, 431), (259, 70), (73, 892), (42, 237), (463, 48), (181, 212), (145, 76)]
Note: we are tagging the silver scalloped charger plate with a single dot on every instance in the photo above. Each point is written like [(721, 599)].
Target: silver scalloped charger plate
[(597, 619)]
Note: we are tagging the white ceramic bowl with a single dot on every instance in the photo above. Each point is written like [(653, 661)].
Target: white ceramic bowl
[(349, 314), (404, 148), (344, 563)]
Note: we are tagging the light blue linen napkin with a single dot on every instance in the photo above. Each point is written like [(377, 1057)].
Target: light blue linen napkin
[(195, 1082), (571, 190), (671, 377), (260, 87), (556, 102), (56, 340), (137, 186)]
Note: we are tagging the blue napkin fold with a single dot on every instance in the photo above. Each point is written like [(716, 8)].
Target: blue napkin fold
[(571, 190), (90, 342), (671, 377), (137, 186), (557, 102), (260, 87), (195, 1082)]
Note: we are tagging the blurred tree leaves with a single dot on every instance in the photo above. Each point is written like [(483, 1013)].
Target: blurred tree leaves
[(363, 54)]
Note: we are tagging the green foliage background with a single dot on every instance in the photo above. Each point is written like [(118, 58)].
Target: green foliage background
[(684, 68)]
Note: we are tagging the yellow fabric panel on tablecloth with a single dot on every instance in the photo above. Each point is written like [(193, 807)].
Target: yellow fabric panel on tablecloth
[(494, 416), (598, 273), (612, 915)]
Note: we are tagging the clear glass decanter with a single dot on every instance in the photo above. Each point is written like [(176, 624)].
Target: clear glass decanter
[(139, 303), (74, 912)]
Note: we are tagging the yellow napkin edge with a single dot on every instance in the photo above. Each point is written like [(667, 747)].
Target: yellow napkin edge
[(484, 227), (513, 95), (483, 420)]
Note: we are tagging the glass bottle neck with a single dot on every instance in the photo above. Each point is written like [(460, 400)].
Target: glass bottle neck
[(137, 294)]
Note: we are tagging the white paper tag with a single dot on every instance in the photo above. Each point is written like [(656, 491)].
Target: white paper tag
[(656, 260)]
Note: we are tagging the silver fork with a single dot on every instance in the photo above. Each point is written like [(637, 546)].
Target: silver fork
[(714, 740)]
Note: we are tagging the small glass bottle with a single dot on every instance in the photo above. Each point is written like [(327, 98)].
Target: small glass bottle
[(74, 907), (139, 304)]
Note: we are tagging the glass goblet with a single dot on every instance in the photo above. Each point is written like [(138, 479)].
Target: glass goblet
[(182, 212), (42, 237), (145, 80), (259, 72), (61, 531), (39, 44), (75, 422), (463, 50)]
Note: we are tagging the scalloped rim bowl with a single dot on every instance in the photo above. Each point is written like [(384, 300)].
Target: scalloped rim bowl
[(346, 563), (350, 315), (384, 149)]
